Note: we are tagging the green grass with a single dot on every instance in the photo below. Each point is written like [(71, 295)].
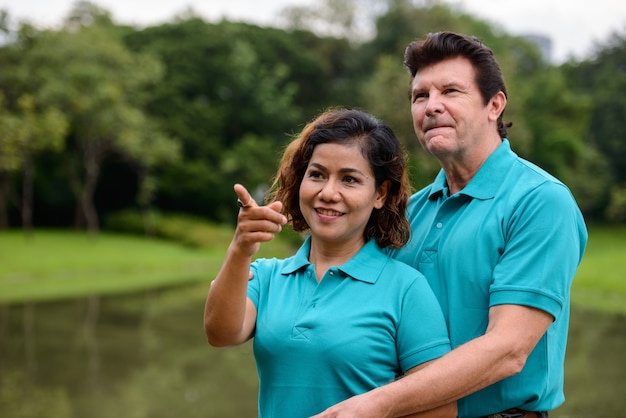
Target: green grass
[(61, 264), (54, 265), (64, 264), (600, 283)]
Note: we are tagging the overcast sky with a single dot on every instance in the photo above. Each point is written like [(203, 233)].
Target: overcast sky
[(574, 26)]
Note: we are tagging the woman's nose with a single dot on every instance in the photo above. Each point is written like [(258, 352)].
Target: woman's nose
[(329, 191)]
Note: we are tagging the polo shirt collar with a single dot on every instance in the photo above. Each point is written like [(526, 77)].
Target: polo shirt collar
[(487, 179), (299, 260), (365, 266)]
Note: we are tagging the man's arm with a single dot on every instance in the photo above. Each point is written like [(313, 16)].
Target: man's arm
[(511, 335), (449, 410)]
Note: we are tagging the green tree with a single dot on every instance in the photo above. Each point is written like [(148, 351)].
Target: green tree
[(27, 128), (10, 161), (601, 77), (224, 84), (88, 73), (39, 130)]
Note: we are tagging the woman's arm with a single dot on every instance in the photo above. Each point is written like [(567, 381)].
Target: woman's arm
[(229, 316)]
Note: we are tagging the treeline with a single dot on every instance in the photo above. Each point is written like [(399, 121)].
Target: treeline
[(97, 117)]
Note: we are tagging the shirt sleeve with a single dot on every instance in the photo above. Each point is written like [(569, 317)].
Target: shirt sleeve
[(422, 331), (545, 238), (254, 283)]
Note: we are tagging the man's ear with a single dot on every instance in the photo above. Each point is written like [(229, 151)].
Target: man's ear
[(497, 105)]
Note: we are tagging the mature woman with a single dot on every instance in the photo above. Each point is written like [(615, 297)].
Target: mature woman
[(340, 317)]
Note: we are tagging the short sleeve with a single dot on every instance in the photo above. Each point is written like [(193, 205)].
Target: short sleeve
[(422, 331)]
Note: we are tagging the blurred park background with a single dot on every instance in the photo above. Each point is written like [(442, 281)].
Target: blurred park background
[(119, 147)]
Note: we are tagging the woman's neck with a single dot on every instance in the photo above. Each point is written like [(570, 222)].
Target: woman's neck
[(325, 256)]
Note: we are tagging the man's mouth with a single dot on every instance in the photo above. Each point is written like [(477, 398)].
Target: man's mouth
[(430, 127)]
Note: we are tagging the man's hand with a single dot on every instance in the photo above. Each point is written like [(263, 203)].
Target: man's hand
[(359, 406)]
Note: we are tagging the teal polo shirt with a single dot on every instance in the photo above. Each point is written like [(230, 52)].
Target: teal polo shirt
[(316, 344), (513, 235)]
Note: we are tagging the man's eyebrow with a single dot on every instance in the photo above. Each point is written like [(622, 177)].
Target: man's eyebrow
[(453, 84)]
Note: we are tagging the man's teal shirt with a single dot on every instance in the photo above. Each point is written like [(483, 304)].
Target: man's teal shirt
[(513, 235)]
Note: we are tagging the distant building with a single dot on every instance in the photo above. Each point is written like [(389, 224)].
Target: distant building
[(543, 42)]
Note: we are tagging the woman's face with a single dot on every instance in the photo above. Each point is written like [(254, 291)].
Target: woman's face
[(338, 193)]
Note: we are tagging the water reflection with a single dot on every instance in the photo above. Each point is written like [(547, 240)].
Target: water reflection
[(145, 356)]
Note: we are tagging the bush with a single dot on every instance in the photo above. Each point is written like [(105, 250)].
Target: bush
[(185, 229), (616, 211)]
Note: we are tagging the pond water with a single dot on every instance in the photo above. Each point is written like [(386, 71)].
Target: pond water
[(145, 356)]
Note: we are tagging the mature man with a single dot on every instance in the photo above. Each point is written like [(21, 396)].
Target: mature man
[(499, 241)]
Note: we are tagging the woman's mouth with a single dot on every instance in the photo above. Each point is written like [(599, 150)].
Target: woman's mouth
[(328, 212)]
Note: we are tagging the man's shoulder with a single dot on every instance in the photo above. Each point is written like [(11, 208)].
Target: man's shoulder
[(528, 178), (421, 194), (532, 170)]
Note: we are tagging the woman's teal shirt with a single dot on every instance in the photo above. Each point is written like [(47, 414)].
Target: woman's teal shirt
[(364, 324)]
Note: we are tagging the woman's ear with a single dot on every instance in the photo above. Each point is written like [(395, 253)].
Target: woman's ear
[(381, 194)]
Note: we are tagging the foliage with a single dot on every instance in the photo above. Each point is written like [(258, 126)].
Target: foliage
[(557, 120), (190, 230), (33, 131), (185, 229), (168, 117), (230, 87), (27, 129), (99, 92), (599, 78), (616, 211)]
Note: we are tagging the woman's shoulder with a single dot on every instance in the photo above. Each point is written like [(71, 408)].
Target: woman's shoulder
[(270, 263)]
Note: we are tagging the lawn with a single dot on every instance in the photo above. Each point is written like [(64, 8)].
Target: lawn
[(600, 283), (63, 264)]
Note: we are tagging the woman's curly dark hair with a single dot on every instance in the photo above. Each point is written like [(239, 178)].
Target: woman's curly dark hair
[(380, 147)]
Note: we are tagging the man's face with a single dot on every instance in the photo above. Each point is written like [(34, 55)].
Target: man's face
[(449, 115)]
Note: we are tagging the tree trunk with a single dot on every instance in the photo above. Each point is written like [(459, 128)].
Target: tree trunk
[(4, 197), (92, 172), (27, 196)]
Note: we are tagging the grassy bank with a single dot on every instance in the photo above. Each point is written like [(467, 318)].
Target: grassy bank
[(600, 283), (64, 264), (53, 265)]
